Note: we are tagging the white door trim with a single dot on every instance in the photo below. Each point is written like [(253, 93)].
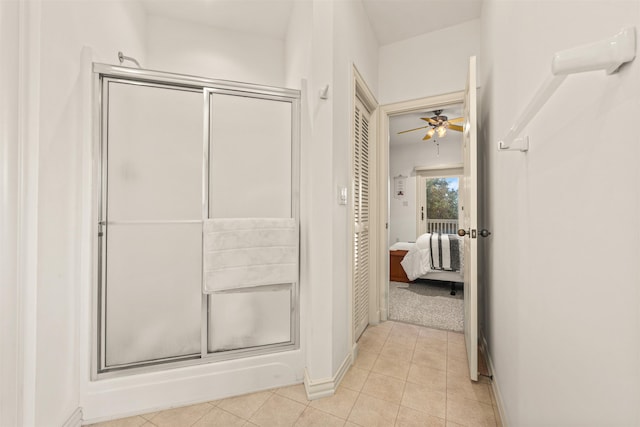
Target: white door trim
[(380, 204)]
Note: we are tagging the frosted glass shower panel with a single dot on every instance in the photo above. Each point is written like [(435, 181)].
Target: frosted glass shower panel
[(250, 318), (152, 214), (153, 300), (154, 153), (250, 157)]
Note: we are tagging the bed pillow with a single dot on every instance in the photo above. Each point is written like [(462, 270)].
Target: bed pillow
[(423, 241)]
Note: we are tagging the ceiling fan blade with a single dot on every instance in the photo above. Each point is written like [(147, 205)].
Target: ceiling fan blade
[(429, 134), (411, 130), (456, 120), (456, 127), (430, 120)]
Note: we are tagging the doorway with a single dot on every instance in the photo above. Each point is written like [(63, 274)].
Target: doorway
[(425, 167)]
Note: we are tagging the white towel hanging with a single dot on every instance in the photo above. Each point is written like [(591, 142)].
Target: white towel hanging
[(246, 252)]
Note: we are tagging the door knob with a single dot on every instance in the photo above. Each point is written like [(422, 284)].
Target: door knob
[(484, 232)]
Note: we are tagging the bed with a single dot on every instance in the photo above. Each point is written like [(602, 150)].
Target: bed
[(432, 256)]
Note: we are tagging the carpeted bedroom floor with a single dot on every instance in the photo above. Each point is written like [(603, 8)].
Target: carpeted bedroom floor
[(427, 303)]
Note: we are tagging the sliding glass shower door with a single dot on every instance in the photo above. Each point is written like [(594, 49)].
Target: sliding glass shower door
[(152, 223), (177, 152)]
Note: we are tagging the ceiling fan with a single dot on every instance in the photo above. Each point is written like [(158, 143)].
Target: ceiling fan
[(438, 125)]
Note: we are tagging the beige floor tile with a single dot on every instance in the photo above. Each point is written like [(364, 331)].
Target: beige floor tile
[(136, 421), (369, 411), (457, 350), (456, 337), (220, 418), (294, 392), (431, 344), (470, 413), (365, 359), (244, 406), (339, 404), (277, 411), (408, 417), (452, 424), (350, 424), (371, 343), (432, 359), (354, 379), (377, 331), (422, 398), (388, 325), (463, 388), (432, 333), (395, 351), (458, 367), (393, 368), (435, 379), (384, 387), (404, 340), (183, 416), (404, 329), (312, 417)]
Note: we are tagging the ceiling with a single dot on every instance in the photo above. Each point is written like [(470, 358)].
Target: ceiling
[(259, 17), (395, 20), (413, 120), (392, 20)]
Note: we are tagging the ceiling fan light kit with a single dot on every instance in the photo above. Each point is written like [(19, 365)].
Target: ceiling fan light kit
[(438, 124)]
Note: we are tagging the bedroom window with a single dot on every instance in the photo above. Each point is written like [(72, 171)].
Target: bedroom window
[(442, 205), (438, 204)]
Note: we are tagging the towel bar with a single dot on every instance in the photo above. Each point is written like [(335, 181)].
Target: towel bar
[(608, 54)]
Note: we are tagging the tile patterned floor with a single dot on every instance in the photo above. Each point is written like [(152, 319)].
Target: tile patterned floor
[(404, 375)]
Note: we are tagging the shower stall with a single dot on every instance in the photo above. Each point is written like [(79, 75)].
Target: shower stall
[(177, 152)]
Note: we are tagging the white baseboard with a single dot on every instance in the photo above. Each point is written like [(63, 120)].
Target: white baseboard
[(317, 389), (75, 419), (494, 382)]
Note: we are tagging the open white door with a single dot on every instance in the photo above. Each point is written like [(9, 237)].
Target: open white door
[(469, 222)]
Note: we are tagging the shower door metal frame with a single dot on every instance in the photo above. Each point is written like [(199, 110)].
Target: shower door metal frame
[(103, 75)]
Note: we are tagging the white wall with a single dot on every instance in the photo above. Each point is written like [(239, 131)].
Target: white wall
[(65, 28), (190, 48), (426, 65), (9, 185), (562, 299), (402, 161), (324, 41), (309, 56), (354, 44)]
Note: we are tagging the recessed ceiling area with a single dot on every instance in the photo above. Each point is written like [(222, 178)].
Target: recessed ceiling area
[(403, 122), (391, 20)]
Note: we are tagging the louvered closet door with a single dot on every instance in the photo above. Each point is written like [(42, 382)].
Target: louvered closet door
[(361, 219)]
